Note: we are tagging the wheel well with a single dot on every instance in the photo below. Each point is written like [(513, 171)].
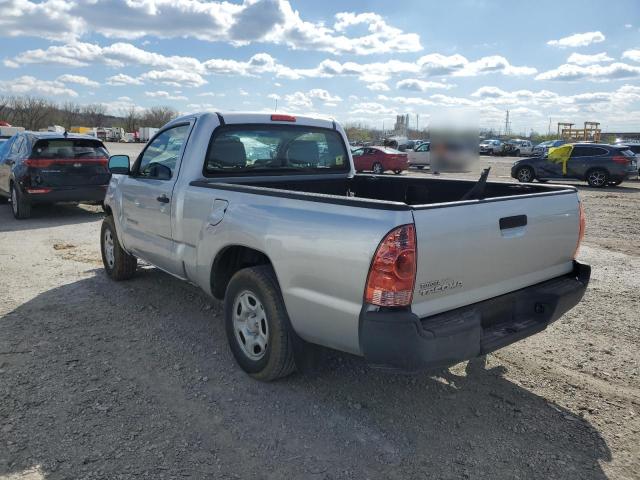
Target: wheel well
[(586, 174), (229, 261)]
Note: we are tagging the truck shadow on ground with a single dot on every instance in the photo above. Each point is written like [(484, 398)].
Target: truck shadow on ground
[(134, 379), (46, 216)]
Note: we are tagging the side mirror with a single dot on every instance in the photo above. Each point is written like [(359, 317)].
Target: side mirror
[(119, 164)]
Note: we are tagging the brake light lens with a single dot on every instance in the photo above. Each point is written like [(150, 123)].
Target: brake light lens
[(621, 159), (48, 162), (392, 274), (38, 190), (282, 118), (583, 224)]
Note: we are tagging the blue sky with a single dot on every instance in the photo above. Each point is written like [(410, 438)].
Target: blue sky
[(356, 61)]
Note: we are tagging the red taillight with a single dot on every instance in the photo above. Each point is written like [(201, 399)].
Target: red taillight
[(583, 224), (282, 118), (48, 162), (621, 159), (392, 274), (39, 162), (38, 190)]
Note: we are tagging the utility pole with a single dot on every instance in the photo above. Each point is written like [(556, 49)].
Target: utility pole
[(549, 130), (276, 109), (417, 122), (507, 125)]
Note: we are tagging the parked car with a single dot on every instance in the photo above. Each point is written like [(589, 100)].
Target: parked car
[(380, 159), (420, 157), (490, 147), (409, 272), (522, 147), (635, 148), (598, 164), (541, 149), (45, 167)]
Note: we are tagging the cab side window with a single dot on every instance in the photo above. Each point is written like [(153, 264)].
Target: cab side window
[(161, 155)]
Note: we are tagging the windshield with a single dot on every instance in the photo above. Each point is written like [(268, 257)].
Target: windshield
[(274, 149), (72, 148)]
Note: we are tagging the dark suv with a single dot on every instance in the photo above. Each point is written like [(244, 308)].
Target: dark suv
[(43, 167), (598, 164)]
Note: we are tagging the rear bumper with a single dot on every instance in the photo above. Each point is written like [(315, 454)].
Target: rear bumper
[(400, 340), (91, 193)]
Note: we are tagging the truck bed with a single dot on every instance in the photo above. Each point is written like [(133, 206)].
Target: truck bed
[(395, 192)]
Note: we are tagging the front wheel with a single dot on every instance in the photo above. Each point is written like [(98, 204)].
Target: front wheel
[(19, 205), (597, 178), (525, 174), (378, 169), (118, 264), (257, 324)]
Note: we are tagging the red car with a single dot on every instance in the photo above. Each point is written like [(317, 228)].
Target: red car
[(380, 159)]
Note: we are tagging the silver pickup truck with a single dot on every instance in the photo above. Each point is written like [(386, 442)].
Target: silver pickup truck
[(266, 212)]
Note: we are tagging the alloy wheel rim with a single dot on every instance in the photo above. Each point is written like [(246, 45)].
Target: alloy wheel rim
[(597, 178), (377, 168), (109, 249), (250, 325), (524, 175)]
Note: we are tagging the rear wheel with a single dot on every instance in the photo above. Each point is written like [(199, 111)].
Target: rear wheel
[(597, 178), (378, 169), (118, 264), (19, 205), (525, 174), (257, 324)]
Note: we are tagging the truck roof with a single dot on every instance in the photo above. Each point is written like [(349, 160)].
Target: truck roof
[(262, 117)]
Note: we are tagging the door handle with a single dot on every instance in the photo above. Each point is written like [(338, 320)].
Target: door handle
[(163, 199), (513, 222)]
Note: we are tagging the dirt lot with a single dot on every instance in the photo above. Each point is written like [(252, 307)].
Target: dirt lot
[(134, 380)]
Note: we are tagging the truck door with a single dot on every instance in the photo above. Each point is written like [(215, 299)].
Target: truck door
[(146, 199)]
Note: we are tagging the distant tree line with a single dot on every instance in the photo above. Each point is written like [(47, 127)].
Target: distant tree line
[(34, 113)]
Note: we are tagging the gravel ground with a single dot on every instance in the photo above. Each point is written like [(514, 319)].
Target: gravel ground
[(134, 379)]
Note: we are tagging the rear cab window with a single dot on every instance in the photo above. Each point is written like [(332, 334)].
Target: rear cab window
[(274, 150)]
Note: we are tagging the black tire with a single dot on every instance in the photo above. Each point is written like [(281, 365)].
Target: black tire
[(420, 167), (517, 153), (276, 359), (377, 168), (20, 206), (597, 178), (525, 174), (397, 172), (118, 264)]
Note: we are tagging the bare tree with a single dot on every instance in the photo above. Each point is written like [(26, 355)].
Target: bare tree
[(5, 103), (131, 119), (31, 113), (94, 114), (158, 116), (69, 114)]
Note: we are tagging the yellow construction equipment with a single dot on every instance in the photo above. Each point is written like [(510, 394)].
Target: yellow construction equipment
[(590, 133)]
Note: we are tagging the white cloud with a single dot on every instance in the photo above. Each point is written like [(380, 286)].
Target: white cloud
[(580, 59), (268, 21), (415, 85), (323, 95), (601, 73), (166, 95), (28, 85), (632, 54), (175, 78), (123, 79), (78, 80), (378, 87), (274, 96), (298, 100), (493, 64), (578, 40)]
